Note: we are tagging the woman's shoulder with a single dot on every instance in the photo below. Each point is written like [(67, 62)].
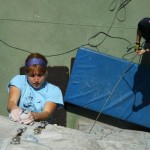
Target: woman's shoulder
[(19, 78), (18, 81), (52, 86)]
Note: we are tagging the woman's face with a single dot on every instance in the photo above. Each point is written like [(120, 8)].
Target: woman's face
[(36, 79)]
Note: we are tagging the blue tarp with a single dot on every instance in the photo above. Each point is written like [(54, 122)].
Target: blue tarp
[(117, 87)]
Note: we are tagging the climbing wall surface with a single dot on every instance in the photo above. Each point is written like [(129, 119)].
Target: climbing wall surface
[(54, 137)]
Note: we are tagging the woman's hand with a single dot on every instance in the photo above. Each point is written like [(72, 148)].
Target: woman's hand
[(140, 52), (15, 114), (27, 118)]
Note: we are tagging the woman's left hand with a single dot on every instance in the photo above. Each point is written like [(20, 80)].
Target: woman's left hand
[(27, 118)]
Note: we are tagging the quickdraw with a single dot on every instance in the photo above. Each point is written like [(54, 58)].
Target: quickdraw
[(42, 125), (16, 139)]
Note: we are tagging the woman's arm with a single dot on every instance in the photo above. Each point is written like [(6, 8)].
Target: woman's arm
[(12, 107), (14, 95), (48, 110), (138, 36)]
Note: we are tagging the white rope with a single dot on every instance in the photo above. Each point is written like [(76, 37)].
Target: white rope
[(112, 93)]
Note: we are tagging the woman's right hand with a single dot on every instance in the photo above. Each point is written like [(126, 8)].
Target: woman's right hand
[(15, 114)]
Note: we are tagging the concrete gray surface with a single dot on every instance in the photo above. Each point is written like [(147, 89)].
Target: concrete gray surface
[(55, 137)]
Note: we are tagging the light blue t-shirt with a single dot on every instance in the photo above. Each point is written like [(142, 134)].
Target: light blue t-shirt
[(35, 99)]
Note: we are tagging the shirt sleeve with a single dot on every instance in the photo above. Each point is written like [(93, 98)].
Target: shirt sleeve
[(54, 94), (16, 81)]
